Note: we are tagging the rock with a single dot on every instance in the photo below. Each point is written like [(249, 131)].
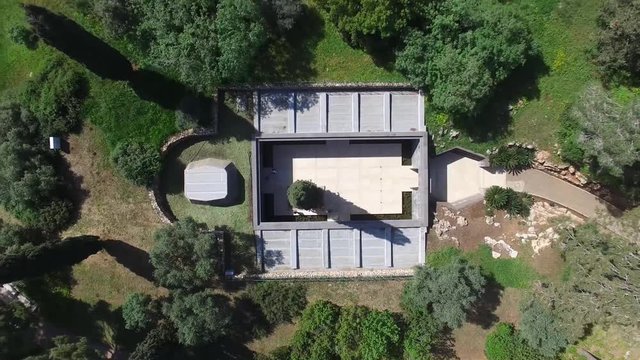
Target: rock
[(511, 143), (530, 147), (462, 221), (507, 216), (454, 134), (564, 173), (563, 166), (531, 230), (496, 224), (489, 241), (495, 255), (542, 156), (572, 170), (489, 220)]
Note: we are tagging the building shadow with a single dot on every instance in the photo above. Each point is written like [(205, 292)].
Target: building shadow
[(70, 38), (131, 257), (494, 120), (72, 187)]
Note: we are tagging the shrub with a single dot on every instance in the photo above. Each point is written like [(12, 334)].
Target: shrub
[(193, 111), (279, 302), (503, 343), (282, 13), (137, 162), (570, 149), (23, 36), (512, 158), (380, 335), (315, 337), (509, 200), (421, 334), (304, 194), (53, 217), (117, 16), (55, 97)]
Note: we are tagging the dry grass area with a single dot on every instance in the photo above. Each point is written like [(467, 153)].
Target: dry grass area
[(114, 210), (281, 336), (381, 295)]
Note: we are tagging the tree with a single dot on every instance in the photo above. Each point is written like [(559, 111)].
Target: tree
[(447, 292), (470, 47), (541, 329), (30, 188), (137, 162), (16, 332), (65, 348), (603, 285), (618, 46), (279, 302), (55, 97), (157, 345), (315, 337), (282, 13), (364, 21), (240, 36), (304, 194), (608, 132), (16, 239), (184, 256), (504, 343), (47, 257), (117, 16), (200, 318), (207, 45), (140, 312)]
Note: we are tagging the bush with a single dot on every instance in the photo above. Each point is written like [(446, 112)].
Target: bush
[(503, 343), (421, 334), (55, 216), (199, 318), (137, 162), (193, 111), (380, 335), (315, 337), (304, 194), (514, 159), (513, 202), (117, 16), (279, 302), (55, 97), (570, 150), (23, 36)]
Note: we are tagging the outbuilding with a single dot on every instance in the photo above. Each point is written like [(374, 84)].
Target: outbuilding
[(208, 180)]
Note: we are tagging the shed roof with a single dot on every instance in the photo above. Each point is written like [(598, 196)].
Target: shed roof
[(206, 180)]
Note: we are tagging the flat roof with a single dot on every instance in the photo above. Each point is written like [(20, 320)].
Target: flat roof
[(309, 111), (371, 247), (206, 180)]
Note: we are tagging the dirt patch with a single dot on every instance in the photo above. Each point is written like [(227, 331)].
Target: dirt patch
[(382, 295), (114, 210), (281, 336)]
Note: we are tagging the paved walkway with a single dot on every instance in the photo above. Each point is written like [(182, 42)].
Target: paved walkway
[(540, 184)]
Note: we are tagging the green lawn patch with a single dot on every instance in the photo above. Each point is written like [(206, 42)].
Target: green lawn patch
[(232, 143), (509, 273)]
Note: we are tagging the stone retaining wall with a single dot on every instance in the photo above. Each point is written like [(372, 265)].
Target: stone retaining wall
[(333, 274)]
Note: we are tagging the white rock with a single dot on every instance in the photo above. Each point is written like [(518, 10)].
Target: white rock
[(489, 220), (495, 255), (462, 221), (496, 224)]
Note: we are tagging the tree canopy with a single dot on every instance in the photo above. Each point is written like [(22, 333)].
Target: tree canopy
[(304, 194), (468, 49), (446, 292), (199, 318), (140, 312), (607, 131), (315, 337), (542, 330), (618, 46), (208, 45), (184, 256)]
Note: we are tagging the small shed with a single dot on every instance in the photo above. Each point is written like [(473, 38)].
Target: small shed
[(55, 143), (207, 179)]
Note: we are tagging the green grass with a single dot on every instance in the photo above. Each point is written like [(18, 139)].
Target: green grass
[(232, 143), (509, 273), (565, 32)]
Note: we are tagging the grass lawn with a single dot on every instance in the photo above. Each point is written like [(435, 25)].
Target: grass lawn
[(564, 31), (232, 143)]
